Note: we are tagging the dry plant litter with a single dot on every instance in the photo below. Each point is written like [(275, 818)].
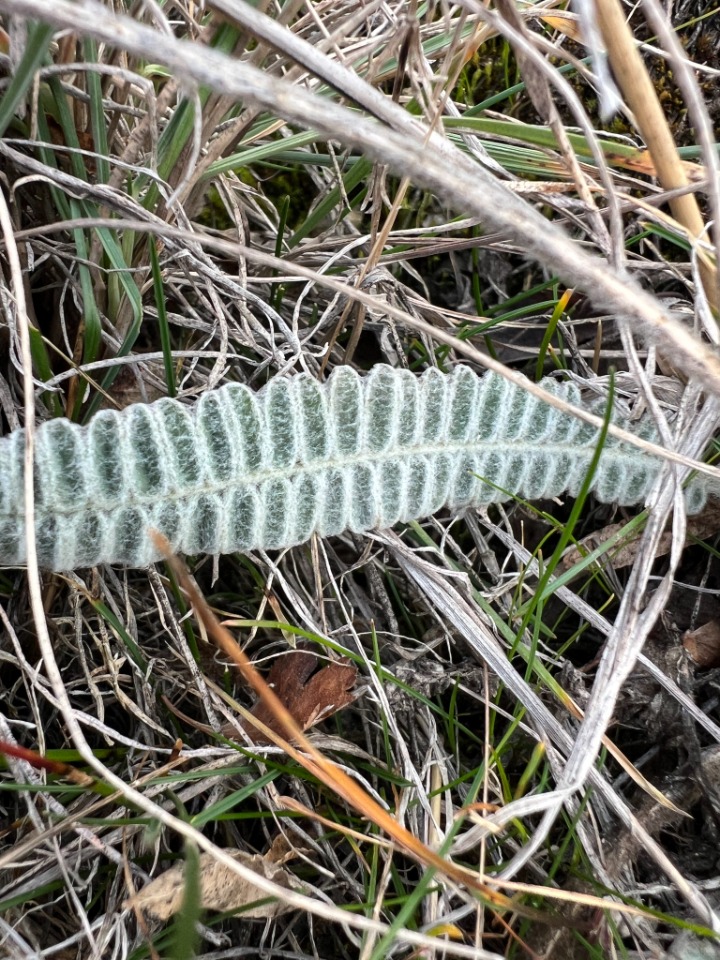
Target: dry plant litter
[(528, 762)]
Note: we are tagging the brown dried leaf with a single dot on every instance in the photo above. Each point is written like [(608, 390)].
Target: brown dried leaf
[(309, 696), (220, 888), (703, 645), (566, 23), (281, 851), (643, 162)]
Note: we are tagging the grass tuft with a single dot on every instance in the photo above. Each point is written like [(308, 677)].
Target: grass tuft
[(212, 193)]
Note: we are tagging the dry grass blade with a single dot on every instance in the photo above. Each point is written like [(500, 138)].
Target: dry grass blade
[(202, 194), (433, 164), (638, 89), (485, 361), (338, 781), (314, 761)]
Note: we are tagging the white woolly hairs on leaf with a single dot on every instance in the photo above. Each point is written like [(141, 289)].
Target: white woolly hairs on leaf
[(243, 470)]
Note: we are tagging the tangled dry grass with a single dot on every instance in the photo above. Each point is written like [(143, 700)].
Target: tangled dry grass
[(194, 194)]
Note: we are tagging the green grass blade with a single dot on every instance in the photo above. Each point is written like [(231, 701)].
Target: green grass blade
[(163, 325), (186, 939), (38, 41), (98, 121)]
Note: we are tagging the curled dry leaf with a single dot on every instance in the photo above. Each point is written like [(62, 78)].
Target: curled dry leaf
[(566, 23), (311, 695), (703, 645), (220, 888)]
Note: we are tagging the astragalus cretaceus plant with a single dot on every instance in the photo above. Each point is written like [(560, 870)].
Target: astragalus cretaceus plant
[(242, 470)]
